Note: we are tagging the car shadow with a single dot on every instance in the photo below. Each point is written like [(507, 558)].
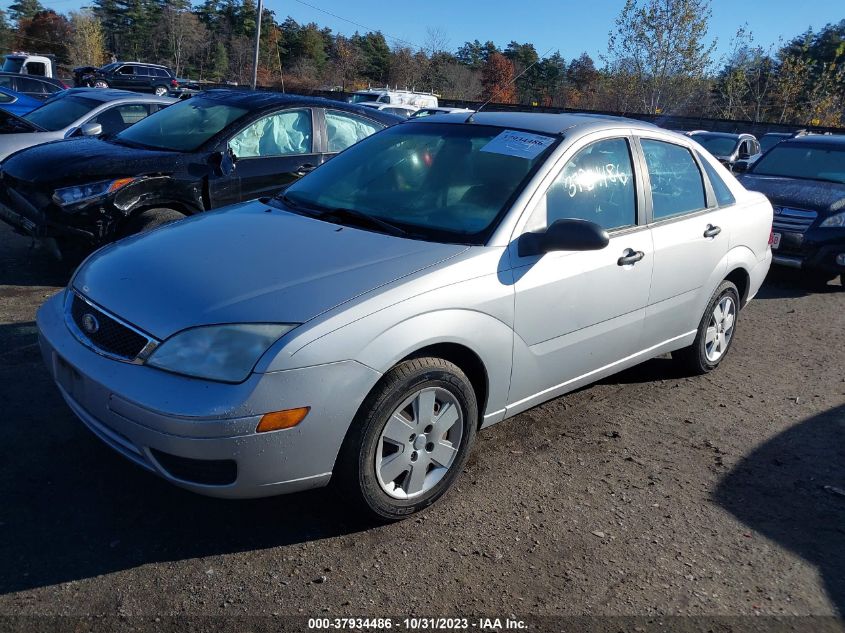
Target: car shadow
[(73, 509), (791, 490), (789, 283), (24, 262)]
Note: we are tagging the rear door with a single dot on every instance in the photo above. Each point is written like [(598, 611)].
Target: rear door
[(272, 152), (691, 237)]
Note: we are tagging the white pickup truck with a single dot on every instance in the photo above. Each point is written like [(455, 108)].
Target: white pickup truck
[(30, 64)]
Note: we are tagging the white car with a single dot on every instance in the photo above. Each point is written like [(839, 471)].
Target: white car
[(434, 279), (398, 109)]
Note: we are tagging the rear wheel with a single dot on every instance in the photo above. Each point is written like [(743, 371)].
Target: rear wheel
[(409, 441), (715, 332), (150, 219), (160, 91)]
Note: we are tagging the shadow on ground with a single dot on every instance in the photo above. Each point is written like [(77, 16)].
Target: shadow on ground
[(72, 508), (787, 490), (788, 283)]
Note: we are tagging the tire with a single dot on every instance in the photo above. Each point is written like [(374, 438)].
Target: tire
[(393, 491), (160, 91), (705, 353), (101, 83), (150, 219)]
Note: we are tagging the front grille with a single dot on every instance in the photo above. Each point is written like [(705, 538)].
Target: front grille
[(104, 332), (793, 220)]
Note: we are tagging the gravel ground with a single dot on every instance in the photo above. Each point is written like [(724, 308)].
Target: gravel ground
[(648, 494)]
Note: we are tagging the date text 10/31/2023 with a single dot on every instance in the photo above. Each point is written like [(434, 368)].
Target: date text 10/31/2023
[(417, 624)]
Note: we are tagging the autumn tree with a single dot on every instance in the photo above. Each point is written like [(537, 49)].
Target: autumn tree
[(497, 79), (87, 43), (48, 30), (662, 46)]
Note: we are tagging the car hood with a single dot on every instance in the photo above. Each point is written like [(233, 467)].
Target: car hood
[(823, 197), (249, 263), (82, 160)]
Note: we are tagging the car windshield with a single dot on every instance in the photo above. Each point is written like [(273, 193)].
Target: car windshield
[(184, 126), (59, 113), (717, 145), (444, 182), (362, 98), (110, 67), (812, 162)]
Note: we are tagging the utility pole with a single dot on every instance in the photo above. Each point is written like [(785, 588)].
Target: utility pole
[(257, 43)]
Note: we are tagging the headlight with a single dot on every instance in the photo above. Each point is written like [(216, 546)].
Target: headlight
[(91, 191), (837, 221), (218, 352)]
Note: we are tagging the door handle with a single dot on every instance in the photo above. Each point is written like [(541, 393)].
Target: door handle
[(304, 169), (712, 231), (630, 257)]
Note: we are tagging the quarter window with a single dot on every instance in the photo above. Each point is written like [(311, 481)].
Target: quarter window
[(597, 184), (723, 194), (676, 184), (281, 134), (347, 129)]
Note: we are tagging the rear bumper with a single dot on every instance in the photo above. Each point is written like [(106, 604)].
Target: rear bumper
[(200, 435)]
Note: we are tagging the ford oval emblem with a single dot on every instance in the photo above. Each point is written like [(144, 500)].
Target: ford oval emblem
[(90, 323)]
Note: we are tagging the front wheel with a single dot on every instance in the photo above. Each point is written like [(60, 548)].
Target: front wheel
[(715, 332), (409, 441), (150, 219), (99, 83)]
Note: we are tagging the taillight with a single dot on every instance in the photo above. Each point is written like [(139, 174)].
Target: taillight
[(174, 83), (771, 236)]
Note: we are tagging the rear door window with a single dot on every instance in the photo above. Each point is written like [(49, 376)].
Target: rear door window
[(723, 194), (344, 129), (121, 117), (676, 184)]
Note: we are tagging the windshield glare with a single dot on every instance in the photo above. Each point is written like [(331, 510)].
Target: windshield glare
[(802, 161), (59, 113), (434, 180), (183, 126), (717, 145)]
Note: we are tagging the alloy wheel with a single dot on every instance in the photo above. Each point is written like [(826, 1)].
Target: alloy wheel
[(720, 329)]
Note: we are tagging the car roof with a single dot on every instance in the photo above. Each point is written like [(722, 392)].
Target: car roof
[(535, 121), (112, 94), (49, 80), (819, 140), (723, 135), (141, 64), (258, 100)]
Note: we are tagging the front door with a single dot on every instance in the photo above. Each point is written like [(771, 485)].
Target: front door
[(578, 313), (272, 152)]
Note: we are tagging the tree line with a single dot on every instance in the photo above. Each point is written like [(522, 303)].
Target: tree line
[(659, 58)]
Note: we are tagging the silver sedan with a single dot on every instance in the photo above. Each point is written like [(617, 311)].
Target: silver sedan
[(81, 112), (434, 279)]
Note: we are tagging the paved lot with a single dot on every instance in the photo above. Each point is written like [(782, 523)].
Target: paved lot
[(650, 493)]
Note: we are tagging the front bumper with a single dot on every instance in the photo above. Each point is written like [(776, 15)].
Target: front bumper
[(29, 220), (200, 435), (814, 251)]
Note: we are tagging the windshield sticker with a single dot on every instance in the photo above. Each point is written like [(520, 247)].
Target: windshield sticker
[(519, 144)]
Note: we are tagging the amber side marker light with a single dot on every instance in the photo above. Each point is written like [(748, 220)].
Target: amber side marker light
[(281, 419)]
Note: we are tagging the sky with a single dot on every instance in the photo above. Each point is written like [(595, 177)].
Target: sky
[(551, 25)]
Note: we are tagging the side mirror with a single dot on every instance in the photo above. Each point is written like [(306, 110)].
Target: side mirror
[(223, 163), (740, 166), (91, 129), (564, 235)]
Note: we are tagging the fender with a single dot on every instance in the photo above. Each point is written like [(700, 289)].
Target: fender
[(158, 191), (486, 336)]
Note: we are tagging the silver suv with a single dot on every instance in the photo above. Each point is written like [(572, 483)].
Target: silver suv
[(434, 279)]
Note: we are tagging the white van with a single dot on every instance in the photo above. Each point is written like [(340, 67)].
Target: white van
[(394, 97)]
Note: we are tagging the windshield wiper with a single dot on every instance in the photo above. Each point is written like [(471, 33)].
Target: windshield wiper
[(342, 213)]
